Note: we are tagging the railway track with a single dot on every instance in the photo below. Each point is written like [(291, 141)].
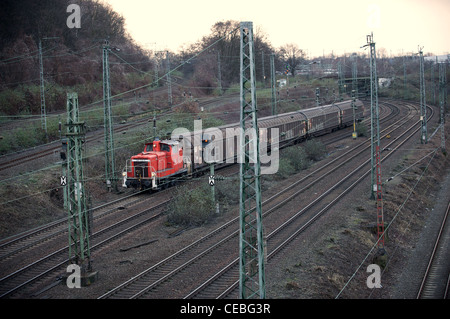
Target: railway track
[(5, 245), (54, 147), (46, 271), (55, 261), (225, 283), (15, 250), (10, 161), (33, 238), (436, 280), (174, 268)]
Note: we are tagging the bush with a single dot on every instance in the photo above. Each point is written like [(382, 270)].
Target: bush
[(315, 150), (285, 168), (297, 157), (361, 129), (191, 207), (227, 191)]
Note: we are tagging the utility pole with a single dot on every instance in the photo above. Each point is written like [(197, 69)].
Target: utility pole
[(273, 84), (404, 77), (155, 69), (432, 82), (379, 193), (376, 190), (111, 180), (263, 70), (251, 240), (41, 77), (169, 79), (211, 174), (219, 71), (355, 75), (442, 99), (354, 135), (340, 81), (63, 155), (423, 104), (78, 210), (374, 113), (317, 97), (42, 86)]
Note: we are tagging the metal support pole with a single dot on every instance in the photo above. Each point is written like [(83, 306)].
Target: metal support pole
[(63, 155), (317, 97), (219, 71), (78, 214), (110, 177), (355, 76), (251, 243), (374, 113), (211, 173), (42, 87), (155, 69), (432, 82), (154, 125), (263, 70), (354, 135), (379, 192), (273, 84), (41, 78), (169, 79), (404, 78), (442, 95), (340, 81), (423, 104)]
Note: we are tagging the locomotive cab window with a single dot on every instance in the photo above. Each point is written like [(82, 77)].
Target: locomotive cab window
[(149, 147), (165, 148)]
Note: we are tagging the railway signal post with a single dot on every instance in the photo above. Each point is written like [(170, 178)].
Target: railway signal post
[(78, 210), (251, 244)]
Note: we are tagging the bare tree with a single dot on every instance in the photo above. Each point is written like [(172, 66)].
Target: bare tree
[(292, 55)]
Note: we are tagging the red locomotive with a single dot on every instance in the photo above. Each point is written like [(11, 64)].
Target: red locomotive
[(160, 160)]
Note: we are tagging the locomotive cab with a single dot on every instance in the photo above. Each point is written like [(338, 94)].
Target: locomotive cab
[(155, 166)]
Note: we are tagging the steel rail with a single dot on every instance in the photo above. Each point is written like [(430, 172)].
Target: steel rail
[(140, 277), (301, 212)]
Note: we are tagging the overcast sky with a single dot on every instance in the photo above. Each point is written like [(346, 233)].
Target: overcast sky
[(317, 26)]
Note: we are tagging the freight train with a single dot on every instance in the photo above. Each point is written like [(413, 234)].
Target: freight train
[(163, 161)]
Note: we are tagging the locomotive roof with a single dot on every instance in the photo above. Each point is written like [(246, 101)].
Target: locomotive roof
[(169, 142)]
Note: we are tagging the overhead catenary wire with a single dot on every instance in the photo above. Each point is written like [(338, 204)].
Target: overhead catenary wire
[(375, 245), (100, 153), (156, 80)]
